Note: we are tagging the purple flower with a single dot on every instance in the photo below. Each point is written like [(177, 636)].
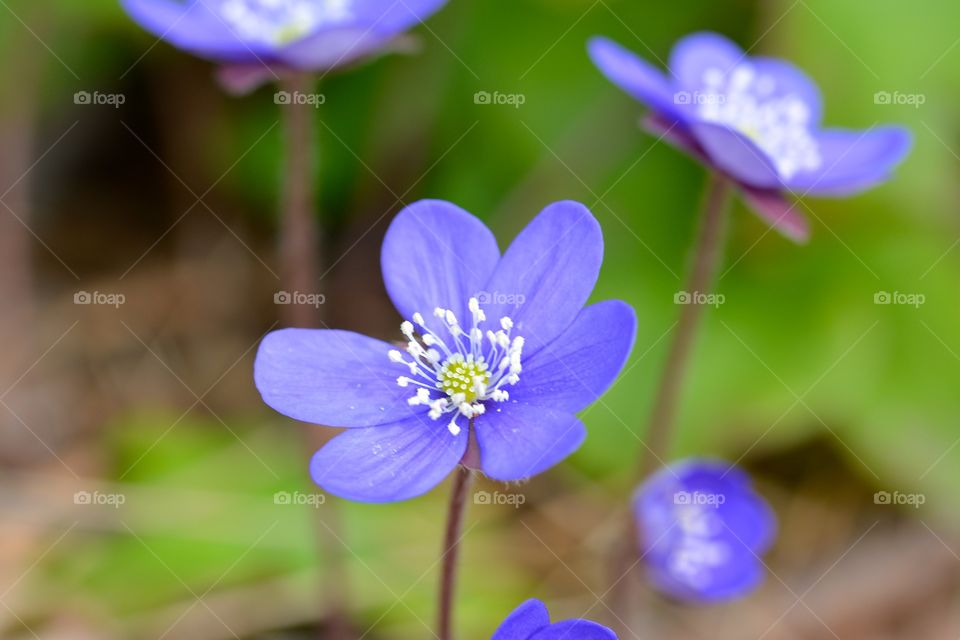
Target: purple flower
[(702, 530), (755, 119), (531, 621), (502, 342), (257, 37)]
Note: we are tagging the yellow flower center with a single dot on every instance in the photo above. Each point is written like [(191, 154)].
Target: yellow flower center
[(459, 376)]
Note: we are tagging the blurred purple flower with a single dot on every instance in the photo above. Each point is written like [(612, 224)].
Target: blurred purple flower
[(755, 119), (531, 621), (526, 357), (255, 39), (702, 530)]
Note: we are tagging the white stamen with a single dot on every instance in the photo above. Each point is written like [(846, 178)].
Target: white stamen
[(278, 22), (461, 378), (422, 397), (779, 125), (453, 426)]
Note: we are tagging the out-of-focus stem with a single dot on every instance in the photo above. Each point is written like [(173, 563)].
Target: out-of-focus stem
[(627, 598), (19, 108), (16, 290), (300, 238), (706, 257), (451, 551), (300, 263)]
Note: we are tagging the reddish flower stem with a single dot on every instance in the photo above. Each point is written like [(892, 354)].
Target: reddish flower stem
[(300, 236), (300, 264), (706, 257), (627, 596), (19, 109), (451, 551)]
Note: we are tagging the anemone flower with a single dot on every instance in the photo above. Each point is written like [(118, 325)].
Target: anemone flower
[(703, 529), (499, 351), (257, 40), (757, 120), (531, 621)]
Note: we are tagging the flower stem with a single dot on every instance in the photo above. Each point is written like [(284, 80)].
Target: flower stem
[(706, 258), (300, 236), (19, 115), (627, 596), (451, 551), (300, 264)]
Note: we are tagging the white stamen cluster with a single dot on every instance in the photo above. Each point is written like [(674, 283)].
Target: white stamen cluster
[(457, 378), (778, 124), (698, 552), (278, 22)]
